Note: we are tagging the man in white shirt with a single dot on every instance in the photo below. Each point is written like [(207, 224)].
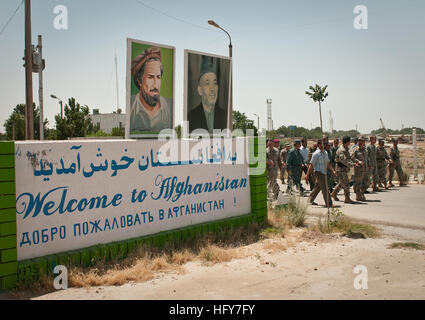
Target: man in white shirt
[(320, 163), (304, 152), (149, 111)]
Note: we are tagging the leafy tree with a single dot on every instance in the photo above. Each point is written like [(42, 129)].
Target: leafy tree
[(75, 123), (178, 130), (16, 122), (118, 132), (241, 122), (318, 94), (51, 134)]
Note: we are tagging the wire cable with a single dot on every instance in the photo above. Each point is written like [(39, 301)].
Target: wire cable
[(174, 18), (12, 16)]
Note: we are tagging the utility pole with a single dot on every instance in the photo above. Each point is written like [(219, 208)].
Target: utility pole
[(40, 64), (29, 122), (116, 78)]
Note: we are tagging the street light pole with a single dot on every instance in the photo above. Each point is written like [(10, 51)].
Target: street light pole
[(60, 102), (211, 22)]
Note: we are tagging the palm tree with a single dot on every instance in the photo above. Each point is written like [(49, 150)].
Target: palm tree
[(318, 94)]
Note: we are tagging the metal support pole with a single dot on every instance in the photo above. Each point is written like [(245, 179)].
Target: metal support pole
[(40, 85), (29, 122), (231, 86)]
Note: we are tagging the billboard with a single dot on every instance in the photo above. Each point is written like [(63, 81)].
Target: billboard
[(207, 91), (74, 194), (150, 88)]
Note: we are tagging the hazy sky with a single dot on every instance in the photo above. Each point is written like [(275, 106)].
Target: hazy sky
[(280, 48)]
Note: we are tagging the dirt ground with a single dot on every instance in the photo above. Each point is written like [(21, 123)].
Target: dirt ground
[(304, 265)]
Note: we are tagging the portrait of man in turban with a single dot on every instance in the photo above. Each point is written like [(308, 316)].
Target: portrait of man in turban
[(150, 111)]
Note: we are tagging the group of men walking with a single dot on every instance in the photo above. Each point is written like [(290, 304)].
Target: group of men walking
[(327, 167)]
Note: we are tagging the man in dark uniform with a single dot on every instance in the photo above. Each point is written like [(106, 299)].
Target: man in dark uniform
[(294, 166)]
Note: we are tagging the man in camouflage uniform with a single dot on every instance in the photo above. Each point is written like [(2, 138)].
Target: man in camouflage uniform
[(294, 165), (373, 166), (344, 163), (358, 156), (273, 164), (395, 164), (331, 181), (283, 157), (381, 160), (333, 162)]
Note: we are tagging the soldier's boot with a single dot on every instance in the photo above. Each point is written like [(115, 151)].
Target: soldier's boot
[(333, 195), (348, 200), (363, 197), (375, 188), (391, 184), (386, 186)]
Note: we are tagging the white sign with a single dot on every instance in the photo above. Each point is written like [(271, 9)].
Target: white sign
[(75, 194)]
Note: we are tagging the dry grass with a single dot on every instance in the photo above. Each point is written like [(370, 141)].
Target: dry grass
[(213, 254), (407, 245), (274, 246), (146, 263), (339, 223)]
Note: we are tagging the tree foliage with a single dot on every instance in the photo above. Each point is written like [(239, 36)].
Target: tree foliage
[(381, 131), (75, 123), (16, 122), (318, 94), (241, 122)]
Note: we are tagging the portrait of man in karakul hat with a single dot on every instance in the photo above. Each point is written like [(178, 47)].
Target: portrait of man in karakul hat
[(149, 110), (208, 114)]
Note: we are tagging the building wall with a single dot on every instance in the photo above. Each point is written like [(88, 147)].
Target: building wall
[(108, 121)]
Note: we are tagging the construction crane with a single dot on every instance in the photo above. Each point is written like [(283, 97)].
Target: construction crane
[(386, 135)]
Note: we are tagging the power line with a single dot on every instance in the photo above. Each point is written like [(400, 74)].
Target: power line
[(174, 18), (13, 15)]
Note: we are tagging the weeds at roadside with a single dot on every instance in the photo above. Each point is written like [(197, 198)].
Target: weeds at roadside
[(340, 223), (407, 245)]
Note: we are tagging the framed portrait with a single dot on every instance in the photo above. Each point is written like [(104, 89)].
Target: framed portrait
[(207, 91), (150, 89)]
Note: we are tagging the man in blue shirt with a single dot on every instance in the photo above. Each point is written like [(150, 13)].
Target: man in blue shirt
[(320, 163)]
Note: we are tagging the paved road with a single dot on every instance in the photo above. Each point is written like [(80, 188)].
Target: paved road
[(397, 207)]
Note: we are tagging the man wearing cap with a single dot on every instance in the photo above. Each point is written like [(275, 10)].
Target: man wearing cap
[(373, 166), (207, 115), (283, 157), (359, 156), (273, 164), (306, 157), (149, 110), (395, 164), (331, 180), (334, 150), (294, 166), (344, 163), (381, 161), (320, 163)]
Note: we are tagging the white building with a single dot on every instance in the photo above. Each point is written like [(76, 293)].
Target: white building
[(107, 121)]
